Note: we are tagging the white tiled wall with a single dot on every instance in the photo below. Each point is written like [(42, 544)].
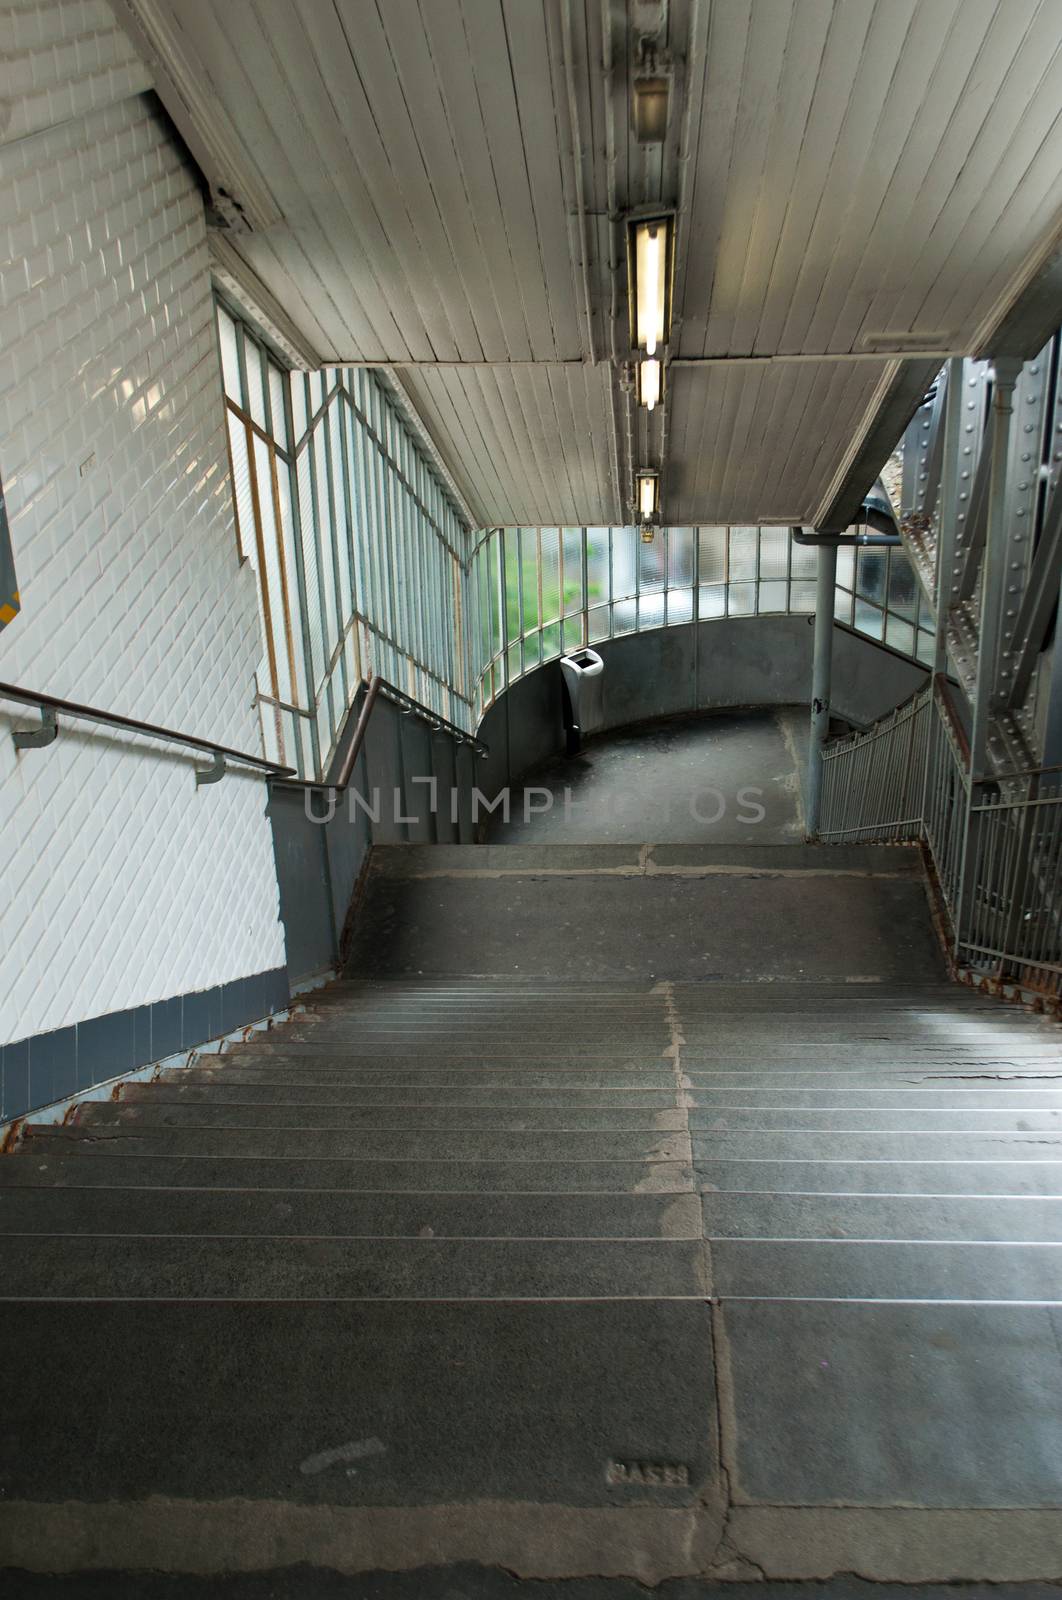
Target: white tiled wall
[(120, 883)]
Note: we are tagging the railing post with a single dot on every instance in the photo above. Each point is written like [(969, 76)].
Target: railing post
[(822, 671)]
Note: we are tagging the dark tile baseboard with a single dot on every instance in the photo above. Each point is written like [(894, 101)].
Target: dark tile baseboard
[(35, 1072)]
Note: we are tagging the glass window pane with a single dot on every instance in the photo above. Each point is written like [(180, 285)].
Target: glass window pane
[(868, 619), (572, 632), (773, 595), (845, 566), (741, 599), (532, 650), (652, 564), (651, 610), (598, 620), (711, 547), (551, 595), (597, 544), (903, 585), (899, 634), (679, 605), (774, 553), (743, 545), (230, 364), (276, 405), (512, 662), (925, 647), (274, 588), (529, 568), (255, 364), (241, 482), (679, 557), (512, 582), (298, 405), (624, 559), (624, 616), (870, 574), (802, 596), (551, 641), (711, 600), (804, 560), (842, 605), (573, 570)]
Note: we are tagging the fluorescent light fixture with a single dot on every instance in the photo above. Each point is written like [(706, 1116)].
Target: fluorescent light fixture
[(649, 109), (649, 268), (648, 493), (650, 382)]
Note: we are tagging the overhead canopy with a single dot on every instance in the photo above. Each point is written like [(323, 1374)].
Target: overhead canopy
[(860, 187)]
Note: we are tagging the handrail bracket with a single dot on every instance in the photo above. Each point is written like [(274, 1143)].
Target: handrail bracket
[(212, 774), (37, 738)]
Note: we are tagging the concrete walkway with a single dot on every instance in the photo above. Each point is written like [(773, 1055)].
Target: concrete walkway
[(731, 777)]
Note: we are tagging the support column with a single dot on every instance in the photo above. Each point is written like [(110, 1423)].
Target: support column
[(822, 672), (947, 512), (994, 564), (1051, 754)]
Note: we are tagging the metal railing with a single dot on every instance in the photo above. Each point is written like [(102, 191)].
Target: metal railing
[(51, 708), (995, 843), (376, 688)]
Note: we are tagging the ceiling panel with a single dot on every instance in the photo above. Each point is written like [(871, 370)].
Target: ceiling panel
[(759, 443), (534, 442), (433, 183), (864, 169)]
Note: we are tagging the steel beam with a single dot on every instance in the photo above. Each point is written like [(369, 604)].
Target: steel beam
[(897, 401), (1038, 603), (993, 578), (947, 525)]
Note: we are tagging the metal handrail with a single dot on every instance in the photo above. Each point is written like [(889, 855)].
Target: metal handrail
[(374, 687), (49, 703)]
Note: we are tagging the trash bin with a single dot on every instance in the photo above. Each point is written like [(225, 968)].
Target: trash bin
[(583, 674)]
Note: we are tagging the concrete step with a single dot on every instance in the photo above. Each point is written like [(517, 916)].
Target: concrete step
[(926, 1176), (969, 1218), (416, 1073), (376, 1049), (74, 1163), (459, 1119), (857, 1078), (324, 1213), (170, 1090), (157, 1112), (179, 1089), (889, 1404), (294, 1144), (804, 1145), (89, 1267), (317, 1427), (616, 927), (1004, 1093), (855, 1269), (914, 1124), (425, 862)]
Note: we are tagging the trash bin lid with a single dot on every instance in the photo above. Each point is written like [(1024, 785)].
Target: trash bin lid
[(581, 661)]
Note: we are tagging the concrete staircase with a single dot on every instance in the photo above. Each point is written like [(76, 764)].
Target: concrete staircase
[(553, 1240)]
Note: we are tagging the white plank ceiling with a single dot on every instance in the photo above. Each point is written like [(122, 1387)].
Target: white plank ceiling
[(846, 171)]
